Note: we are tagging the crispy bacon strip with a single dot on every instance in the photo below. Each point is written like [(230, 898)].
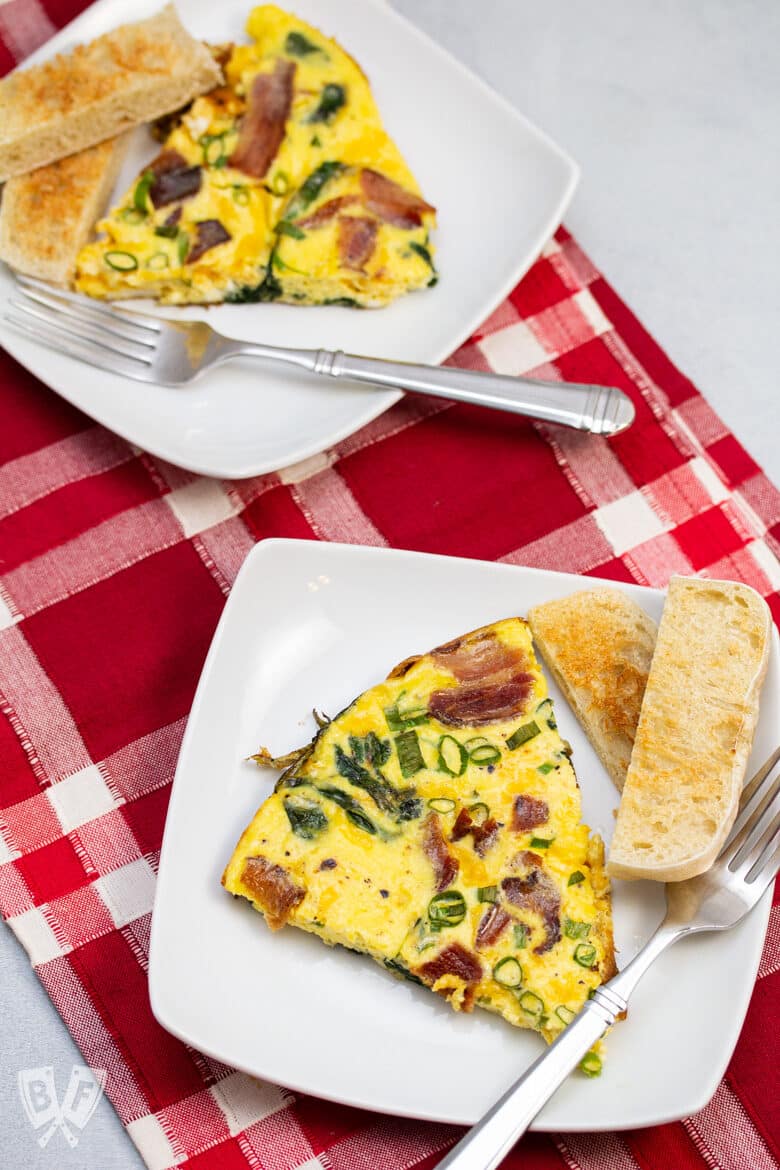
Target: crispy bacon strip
[(454, 960), (525, 859), (391, 202), (493, 684), (273, 888), (327, 211), (262, 128), (538, 892), (445, 866), (356, 240), (529, 813), (209, 233), (474, 705), (492, 925)]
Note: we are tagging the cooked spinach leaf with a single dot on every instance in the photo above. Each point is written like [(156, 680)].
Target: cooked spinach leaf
[(332, 99)]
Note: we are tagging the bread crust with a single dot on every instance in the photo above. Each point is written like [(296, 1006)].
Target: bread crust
[(598, 645), (134, 74), (46, 216), (695, 731)]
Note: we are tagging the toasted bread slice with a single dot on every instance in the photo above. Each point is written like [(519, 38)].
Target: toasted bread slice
[(131, 75), (598, 645), (46, 216), (695, 731)]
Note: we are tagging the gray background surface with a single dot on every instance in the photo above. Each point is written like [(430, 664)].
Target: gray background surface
[(672, 112)]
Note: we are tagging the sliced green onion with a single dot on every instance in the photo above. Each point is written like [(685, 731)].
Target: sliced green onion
[(332, 99), (422, 252), (478, 812), (522, 735), (400, 720), (132, 215), (453, 757), (141, 192), (545, 709), (591, 1064), (585, 954), (121, 261), (565, 1014), (475, 741), (485, 754), (447, 909), (315, 140), (541, 842), (487, 893), (157, 261), (307, 820), (280, 183), (169, 231), (532, 1005), (213, 145), (240, 196), (508, 972), (521, 935), (441, 804), (545, 768), (283, 228), (409, 755), (182, 246), (575, 878), (574, 929)]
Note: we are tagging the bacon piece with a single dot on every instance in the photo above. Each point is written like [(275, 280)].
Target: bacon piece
[(445, 866), (475, 705), (172, 219), (454, 960), (493, 682), (492, 925), (173, 179), (391, 202), (209, 233), (327, 211), (273, 888), (537, 891), (529, 813), (525, 859), (482, 835), (477, 656), (356, 240), (167, 160), (262, 128)]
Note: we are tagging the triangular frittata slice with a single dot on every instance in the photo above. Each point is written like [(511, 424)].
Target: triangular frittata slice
[(280, 185), (435, 825)]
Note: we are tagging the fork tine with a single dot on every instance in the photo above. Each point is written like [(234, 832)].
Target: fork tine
[(84, 351), (754, 799), (83, 331), (766, 847), (86, 312), (130, 317), (762, 832)]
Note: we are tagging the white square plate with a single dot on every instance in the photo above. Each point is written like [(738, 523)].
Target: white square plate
[(311, 624), (500, 185)]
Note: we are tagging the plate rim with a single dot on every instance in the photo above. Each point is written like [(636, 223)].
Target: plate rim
[(244, 468), (639, 1119)]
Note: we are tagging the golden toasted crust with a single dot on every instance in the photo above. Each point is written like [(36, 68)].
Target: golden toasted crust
[(47, 215), (131, 75), (695, 731), (598, 645)]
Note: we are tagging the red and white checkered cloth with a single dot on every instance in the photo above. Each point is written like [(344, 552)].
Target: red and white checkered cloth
[(115, 567)]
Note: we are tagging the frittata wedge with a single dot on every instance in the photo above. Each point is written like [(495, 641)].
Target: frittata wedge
[(280, 185), (435, 825)]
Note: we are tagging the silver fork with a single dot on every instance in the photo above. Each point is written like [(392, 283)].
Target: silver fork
[(173, 353), (715, 900)]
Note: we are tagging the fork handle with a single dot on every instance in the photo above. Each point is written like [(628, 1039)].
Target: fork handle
[(601, 410)]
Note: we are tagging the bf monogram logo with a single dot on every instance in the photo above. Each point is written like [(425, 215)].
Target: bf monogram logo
[(41, 1104)]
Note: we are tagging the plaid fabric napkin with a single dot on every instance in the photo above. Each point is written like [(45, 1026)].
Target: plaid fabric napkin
[(115, 568)]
